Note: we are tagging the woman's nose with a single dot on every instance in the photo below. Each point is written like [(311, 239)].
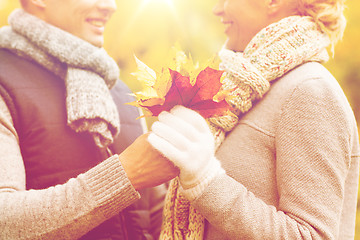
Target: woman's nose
[(218, 8)]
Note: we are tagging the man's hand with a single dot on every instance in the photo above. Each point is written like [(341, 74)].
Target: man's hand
[(145, 166)]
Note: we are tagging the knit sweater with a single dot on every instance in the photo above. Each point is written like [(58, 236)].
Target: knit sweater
[(65, 211), (292, 165)]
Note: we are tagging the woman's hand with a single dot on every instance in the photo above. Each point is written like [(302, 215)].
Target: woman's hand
[(183, 136), (145, 166)]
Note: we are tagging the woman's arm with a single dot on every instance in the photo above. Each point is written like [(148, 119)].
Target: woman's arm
[(313, 156)]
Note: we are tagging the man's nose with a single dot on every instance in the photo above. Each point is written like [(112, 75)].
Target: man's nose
[(109, 6)]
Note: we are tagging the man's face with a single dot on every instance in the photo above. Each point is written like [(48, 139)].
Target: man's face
[(85, 19)]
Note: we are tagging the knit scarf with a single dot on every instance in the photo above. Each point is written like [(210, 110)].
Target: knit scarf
[(274, 51), (88, 72)]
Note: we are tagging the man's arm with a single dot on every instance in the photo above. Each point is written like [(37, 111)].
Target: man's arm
[(65, 211)]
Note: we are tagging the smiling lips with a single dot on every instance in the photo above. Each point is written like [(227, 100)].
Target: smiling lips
[(227, 24), (97, 22)]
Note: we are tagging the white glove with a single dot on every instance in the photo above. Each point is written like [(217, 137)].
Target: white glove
[(183, 136)]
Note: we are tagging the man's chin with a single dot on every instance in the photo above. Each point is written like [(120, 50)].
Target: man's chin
[(97, 42)]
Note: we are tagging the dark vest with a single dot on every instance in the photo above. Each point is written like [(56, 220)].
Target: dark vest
[(52, 152)]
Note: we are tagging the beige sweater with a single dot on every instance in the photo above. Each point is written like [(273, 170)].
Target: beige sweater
[(65, 211), (292, 165)]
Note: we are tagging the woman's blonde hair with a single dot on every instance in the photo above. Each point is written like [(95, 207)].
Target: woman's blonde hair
[(329, 14)]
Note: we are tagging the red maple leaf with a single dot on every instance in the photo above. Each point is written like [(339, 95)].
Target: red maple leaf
[(199, 97)]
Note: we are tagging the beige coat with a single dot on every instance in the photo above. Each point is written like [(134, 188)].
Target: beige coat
[(292, 165)]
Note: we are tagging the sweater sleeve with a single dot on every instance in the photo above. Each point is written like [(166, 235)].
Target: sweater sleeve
[(313, 156), (65, 211)]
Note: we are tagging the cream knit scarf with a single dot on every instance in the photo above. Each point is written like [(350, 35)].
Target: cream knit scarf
[(275, 50), (88, 72)]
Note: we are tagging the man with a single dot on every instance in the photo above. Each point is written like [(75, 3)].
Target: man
[(61, 130)]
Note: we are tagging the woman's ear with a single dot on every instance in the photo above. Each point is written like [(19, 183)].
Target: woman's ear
[(39, 3), (280, 8), (274, 6)]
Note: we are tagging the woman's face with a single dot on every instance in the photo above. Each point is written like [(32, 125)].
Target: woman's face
[(242, 20), (85, 19)]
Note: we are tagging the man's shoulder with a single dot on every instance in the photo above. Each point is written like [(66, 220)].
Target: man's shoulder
[(10, 61), (7, 56), (15, 69)]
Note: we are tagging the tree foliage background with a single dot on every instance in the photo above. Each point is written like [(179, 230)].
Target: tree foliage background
[(149, 28)]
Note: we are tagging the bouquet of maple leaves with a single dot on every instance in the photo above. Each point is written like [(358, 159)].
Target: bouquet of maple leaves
[(182, 83)]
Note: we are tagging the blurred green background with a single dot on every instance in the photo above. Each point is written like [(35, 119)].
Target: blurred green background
[(149, 28)]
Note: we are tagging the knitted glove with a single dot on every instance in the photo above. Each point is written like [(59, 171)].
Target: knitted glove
[(183, 136)]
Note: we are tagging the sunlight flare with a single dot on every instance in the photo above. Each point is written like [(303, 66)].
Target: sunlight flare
[(167, 2), (159, 6)]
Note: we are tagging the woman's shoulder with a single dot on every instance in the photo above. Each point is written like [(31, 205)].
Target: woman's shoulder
[(307, 75), (309, 87), (313, 89), (310, 81)]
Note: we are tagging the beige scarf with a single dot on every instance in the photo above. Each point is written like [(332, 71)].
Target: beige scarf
[(275, 50), (88, 71)]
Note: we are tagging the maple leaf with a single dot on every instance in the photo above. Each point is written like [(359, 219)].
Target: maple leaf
[(183, 83)]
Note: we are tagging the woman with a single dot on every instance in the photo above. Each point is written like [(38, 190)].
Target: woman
[(288, 166)]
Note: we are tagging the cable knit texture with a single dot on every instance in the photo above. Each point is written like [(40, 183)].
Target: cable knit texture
[(274, 51), (88, 71)]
